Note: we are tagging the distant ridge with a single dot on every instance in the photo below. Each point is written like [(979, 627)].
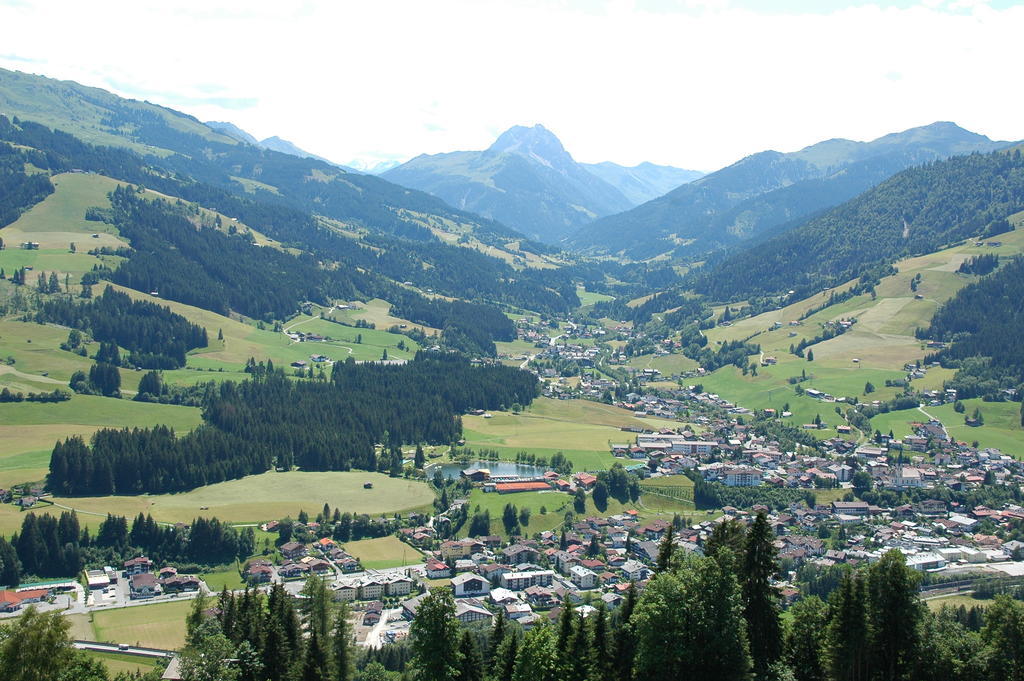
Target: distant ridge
[(273, 143), (769, 189), (528, 180)]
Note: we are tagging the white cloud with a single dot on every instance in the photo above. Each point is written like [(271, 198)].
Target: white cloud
[(696, 84)]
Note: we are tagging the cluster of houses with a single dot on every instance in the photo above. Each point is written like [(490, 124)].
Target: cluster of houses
[(322, 558), (527, 580), (143, 582), (732, 454)]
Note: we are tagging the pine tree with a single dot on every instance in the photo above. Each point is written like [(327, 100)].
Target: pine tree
[(10, 566), (342, 651), (471, 666), (893, 614), (497, 637), (194, 620), (665, 551), (624, 649), (419, 460), (505, 659), (315, 666), (601, 659), (435, 638), (317, 606), (804, 643), (578, 668), (760, 598), (846, 634)]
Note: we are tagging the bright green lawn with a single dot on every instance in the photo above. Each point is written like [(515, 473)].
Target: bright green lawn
[(557, 504), (1001, 429), (158, 625), (227, 576), (590, 297), (117, 663), (383, 552)]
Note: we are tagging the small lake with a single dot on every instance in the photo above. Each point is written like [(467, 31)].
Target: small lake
[(451, 471)]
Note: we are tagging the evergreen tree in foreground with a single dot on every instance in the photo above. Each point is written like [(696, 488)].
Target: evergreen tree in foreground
[(435, 638), (760, 598)]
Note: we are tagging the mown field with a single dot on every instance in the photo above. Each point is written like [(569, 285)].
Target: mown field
[(581, 429), (117, 663), (269, 496), (378, 313), (383, 552), (556, 504), (159, 625)]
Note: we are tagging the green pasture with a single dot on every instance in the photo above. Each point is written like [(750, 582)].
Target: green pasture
[(269, 496), (156, 625), (383, 552), (581, 429)]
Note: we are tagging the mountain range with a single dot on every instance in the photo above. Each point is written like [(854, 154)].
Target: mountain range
[(766, 191), (527, 180), (274, 143), (224, 156)]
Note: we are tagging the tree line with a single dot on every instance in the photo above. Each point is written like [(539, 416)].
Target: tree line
[(49, 547), (271, 420), (984, 326), (916, 211), (155, 337)]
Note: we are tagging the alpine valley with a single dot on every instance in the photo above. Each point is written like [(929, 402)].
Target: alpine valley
[(502, 415)]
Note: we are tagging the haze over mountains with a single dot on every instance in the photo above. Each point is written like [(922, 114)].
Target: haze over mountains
[(528, 179), (769, 189), (225, 158), (274, 143)]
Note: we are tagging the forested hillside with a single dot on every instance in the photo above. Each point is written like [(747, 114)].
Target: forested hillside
[(220, 160), (769, 189), (984, 324), (916, 211), (156, 337), (19, 189), (271, 420), (205, 265)]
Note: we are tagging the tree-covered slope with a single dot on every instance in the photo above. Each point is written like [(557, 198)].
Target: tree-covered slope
[(917, 211), (984, 324), (526, 180), (182, 143), (768, 189), (187, 258)]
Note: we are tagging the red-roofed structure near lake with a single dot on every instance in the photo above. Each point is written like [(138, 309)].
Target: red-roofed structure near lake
[(510, 487)]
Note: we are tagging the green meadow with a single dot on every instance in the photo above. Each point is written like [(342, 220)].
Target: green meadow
[(269, 496), (580, 429)]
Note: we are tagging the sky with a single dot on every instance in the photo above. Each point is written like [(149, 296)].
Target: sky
[(692, 83)]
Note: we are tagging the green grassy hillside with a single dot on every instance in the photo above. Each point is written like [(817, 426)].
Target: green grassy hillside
[(882, 340)]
